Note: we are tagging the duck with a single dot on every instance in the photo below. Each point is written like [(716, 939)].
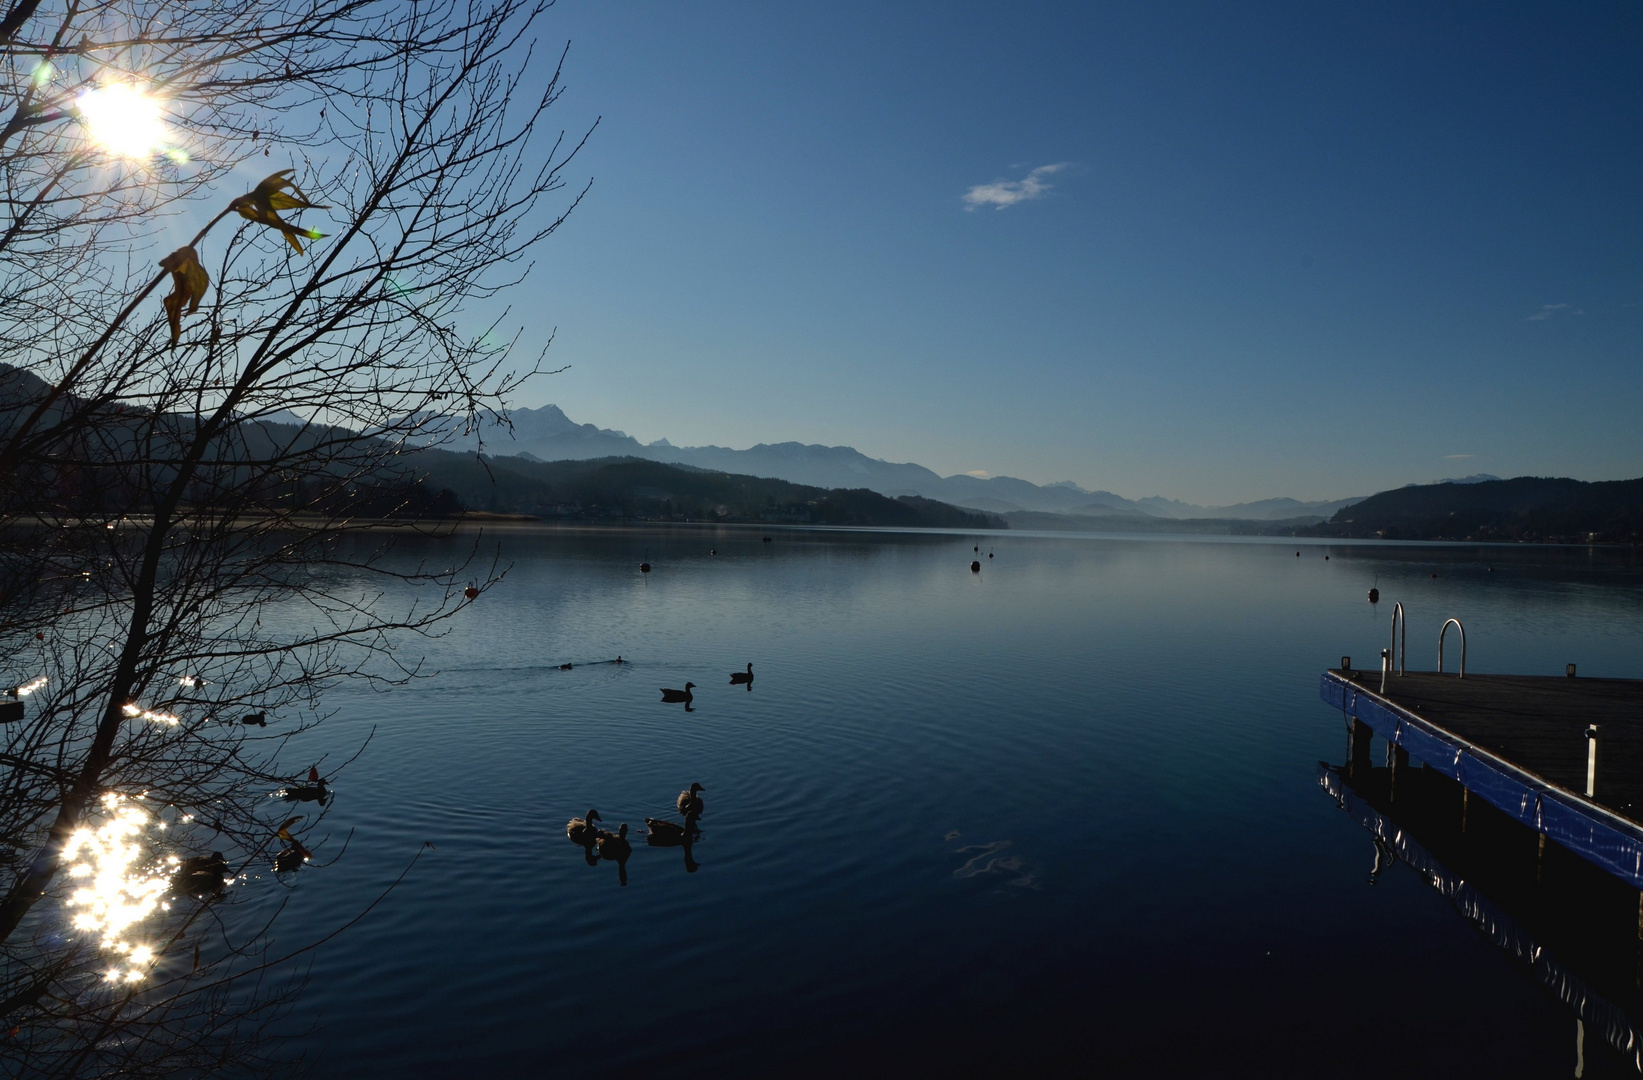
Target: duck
[(295, 854), (689, 802), (564, 667), (256, 719), (739, 677), (200, 874), (616, 848), (670, 833), (313, 791), (583, 830), (677, 696)]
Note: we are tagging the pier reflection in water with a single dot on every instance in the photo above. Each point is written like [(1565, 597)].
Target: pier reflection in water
[(1568, 925)]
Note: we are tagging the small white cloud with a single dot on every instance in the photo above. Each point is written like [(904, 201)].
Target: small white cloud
[(1004, 193), (1547, 311), (980, 474)]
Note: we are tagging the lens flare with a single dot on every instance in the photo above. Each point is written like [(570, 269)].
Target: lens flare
[(123, 120), (117, 886)]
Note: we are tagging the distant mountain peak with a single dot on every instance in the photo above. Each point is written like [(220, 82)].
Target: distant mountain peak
[(547, 434)]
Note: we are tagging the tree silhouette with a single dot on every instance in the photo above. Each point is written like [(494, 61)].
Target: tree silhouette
[(202, 493)]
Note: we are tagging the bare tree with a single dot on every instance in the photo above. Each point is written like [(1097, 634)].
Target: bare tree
[(199, 493)]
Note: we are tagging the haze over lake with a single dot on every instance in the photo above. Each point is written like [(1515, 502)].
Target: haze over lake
[(1063, 809)]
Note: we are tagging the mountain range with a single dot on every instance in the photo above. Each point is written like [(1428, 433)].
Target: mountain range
[(547, 434)]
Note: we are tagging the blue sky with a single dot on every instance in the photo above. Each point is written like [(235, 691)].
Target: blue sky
[(1308, 250)]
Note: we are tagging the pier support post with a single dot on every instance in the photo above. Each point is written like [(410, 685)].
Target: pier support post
[(1358, 764), (1638, 965), (1400, 768), (1591, 761), (1465, 804)]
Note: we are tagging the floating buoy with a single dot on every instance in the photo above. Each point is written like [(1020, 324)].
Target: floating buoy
[(1374, 596), (975, 567), (644, 568), (470, 592)]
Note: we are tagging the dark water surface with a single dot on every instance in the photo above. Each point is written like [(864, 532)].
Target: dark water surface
[(1059, 816)]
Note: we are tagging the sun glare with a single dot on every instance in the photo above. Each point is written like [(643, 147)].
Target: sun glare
[(118, 887), (123, 120)]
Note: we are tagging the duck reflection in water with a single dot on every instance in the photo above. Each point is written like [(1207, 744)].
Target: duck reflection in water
[(675, 697), (662, 833), (743, 678), (616, 849), (585, 834)]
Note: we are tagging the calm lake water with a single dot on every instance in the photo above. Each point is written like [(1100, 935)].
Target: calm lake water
[(1058, 816)]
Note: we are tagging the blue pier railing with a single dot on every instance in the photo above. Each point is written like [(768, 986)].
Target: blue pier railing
[(1591, 831)]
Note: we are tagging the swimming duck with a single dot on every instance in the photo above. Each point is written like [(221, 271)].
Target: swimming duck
[(200, 874), (256, 719), (295, 854), (670, 833), (676, 696), (739, 677), (690, 802), (583, 830), (313, 791), (616, 848)]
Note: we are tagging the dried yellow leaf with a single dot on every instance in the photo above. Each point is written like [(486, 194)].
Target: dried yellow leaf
[(188, 284), (264, 202)]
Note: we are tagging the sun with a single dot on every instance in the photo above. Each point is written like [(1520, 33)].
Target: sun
[(123, 120)]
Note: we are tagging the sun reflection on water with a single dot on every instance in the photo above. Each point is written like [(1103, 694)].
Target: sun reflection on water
[(119, 885), (157, 717)]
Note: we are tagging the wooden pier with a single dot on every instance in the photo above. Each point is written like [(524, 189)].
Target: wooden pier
[(1521, 744)]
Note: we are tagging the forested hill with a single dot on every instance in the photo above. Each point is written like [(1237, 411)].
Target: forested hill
[(637, 490), (1528, 508)]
